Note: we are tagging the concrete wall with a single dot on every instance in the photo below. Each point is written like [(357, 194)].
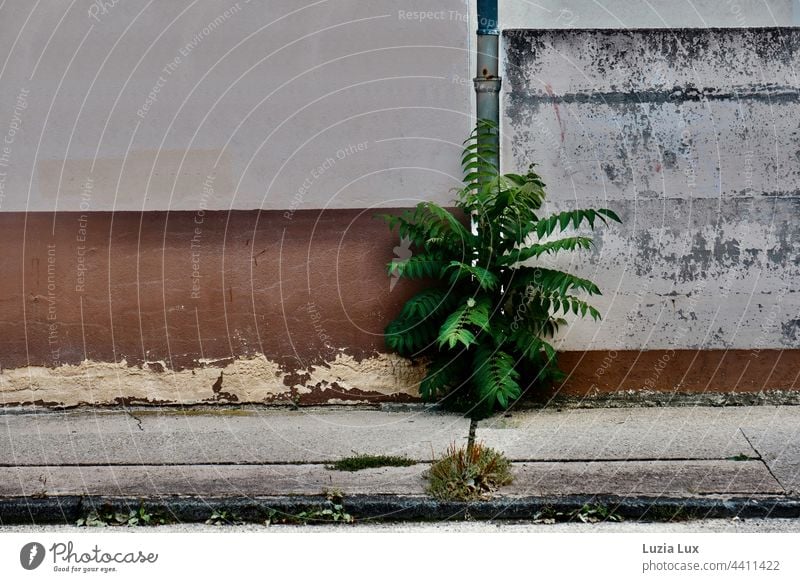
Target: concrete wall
[(232, 104), (691, 136), (543, 14)]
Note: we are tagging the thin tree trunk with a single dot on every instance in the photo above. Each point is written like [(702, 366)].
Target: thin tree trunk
[(473, 425)]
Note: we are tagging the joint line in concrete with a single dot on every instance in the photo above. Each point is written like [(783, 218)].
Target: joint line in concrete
[(761, 458)]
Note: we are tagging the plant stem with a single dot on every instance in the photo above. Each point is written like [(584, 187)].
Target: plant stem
[(473, 425)]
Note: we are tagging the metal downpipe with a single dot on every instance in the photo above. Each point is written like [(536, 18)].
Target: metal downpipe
[(487, 80)]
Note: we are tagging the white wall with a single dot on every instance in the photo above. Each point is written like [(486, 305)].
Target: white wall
[(274, 104), (277, 104)]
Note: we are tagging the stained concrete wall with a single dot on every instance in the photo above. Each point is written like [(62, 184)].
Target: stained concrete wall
[(545, 14), (691, 136), (130, 105)]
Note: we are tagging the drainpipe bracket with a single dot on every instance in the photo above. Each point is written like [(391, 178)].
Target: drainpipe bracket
[(487, 85)]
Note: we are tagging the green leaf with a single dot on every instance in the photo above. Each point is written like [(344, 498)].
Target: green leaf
[(550, 282), (495, 376), (427, 303), (609, 213), (563, 220), (462, 325), (460, 271), (417, 267), (579, 307), (410, 336), (442, 375), (550, 247)]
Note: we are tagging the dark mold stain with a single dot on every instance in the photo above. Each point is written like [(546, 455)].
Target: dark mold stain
[(790, 331)]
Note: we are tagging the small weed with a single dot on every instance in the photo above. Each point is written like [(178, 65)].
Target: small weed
[(467, 474), (106, 516), (97, 519), (587, 514), (334, 495), (223, 517), (548, 515), (43, 493), (739, 457), (333, 512), (595, 513), (359, 462)]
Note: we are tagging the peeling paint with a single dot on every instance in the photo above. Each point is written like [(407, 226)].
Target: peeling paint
[(384, 373), (244, 380)]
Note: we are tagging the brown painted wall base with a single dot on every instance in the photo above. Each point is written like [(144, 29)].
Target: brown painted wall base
[(197, 306), (177, 287), (192, 307), (606, 372)]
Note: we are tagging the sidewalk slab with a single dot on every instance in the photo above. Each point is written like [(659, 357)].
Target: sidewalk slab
[(652, 478), (240, 436), (628, 433), (643, 478), (207, 481), (777, 440)]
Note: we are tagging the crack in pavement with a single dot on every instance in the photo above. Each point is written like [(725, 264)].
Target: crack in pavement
[(761, 458), (136, 418)]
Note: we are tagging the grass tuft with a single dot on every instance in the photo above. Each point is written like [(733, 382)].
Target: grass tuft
[(465, 474), (359, 462)]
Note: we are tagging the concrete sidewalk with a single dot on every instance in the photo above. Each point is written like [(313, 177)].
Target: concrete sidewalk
[(713, 461)]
